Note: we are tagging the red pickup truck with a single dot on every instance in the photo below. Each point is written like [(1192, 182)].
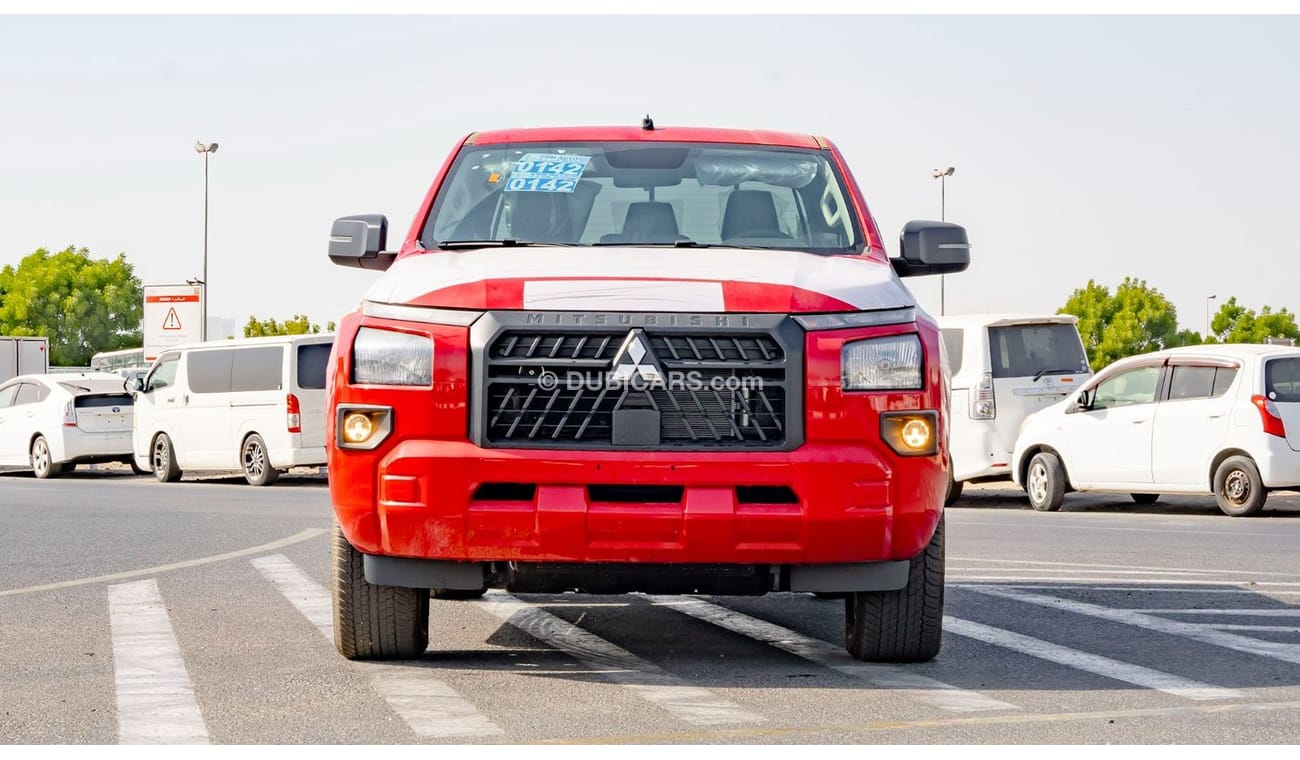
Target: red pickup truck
[(620, 359)]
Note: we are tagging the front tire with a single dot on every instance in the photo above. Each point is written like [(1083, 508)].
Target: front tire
[(1238, 488), (954, 491), (1045, 482), (256, 462), (375, 622), (43, 464), (905, 625), (163, 458)]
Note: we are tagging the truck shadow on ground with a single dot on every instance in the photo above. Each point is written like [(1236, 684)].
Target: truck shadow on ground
[(1187, 635)]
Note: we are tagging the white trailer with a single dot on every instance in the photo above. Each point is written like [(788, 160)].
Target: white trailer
[(23, 356)]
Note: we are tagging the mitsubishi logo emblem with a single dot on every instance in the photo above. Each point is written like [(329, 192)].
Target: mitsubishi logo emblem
[(634, 358)]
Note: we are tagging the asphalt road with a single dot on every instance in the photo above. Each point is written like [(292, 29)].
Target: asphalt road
[(196, 612)]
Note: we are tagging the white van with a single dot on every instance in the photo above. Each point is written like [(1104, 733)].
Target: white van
[(1004, 367), (255, 405)]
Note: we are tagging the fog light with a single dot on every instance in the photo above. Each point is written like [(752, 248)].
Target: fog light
[(357, 427), (362, 426), (916, 434), (911, 434)]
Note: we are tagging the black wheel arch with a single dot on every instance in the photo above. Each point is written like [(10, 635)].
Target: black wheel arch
[(1219, 459), (1022, 467)]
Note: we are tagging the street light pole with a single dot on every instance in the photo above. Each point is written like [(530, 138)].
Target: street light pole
[(1208, 325), (206, 150), (942, 175)]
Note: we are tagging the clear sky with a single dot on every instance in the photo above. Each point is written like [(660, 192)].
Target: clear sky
[(1166, 148)]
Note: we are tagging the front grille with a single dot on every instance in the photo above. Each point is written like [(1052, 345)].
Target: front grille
[(721, 389)]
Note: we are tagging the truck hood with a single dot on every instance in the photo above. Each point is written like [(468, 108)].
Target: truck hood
[(641, 279)]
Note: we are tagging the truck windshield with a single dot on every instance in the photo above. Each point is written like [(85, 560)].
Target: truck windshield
[(627, 193)]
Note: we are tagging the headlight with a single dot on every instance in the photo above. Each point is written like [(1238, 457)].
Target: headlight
[(879, 364), (384, 357), (911, 433)]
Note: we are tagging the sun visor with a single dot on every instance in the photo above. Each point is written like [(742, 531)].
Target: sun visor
[(730, 169)]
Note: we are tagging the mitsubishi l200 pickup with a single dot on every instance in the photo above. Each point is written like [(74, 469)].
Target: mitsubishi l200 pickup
[(619, 359)]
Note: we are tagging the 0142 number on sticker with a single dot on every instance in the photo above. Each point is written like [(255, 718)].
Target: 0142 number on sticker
[(546, 173)]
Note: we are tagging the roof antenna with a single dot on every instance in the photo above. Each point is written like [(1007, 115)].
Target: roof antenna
[(648, 123)]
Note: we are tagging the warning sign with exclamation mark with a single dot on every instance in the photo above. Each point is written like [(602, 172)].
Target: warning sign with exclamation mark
[(173, 320)]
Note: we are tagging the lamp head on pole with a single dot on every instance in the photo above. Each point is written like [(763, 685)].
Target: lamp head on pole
[(937, 173), (199, 147)]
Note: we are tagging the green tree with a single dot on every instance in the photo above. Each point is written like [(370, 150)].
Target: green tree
[(82, 305), (298, 324), (1135, 320), (1234, 323)]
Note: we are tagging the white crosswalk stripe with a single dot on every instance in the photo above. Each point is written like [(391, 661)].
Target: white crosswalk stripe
[(690, 703), (429, 706), (1195, 631), (939, 694), (155, 699), (1091, 663)]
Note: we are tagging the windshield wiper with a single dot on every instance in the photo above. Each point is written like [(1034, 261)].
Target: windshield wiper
[(1042, 372), (674, 244), (505, 243)]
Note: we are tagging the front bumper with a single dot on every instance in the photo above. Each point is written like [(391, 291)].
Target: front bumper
[(822, 503)]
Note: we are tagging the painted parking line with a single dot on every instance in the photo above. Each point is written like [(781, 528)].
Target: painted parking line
[(936, 693), (1090, 663), (1264, 612), (1018, 563), (155, 699), (692, 704), (1101, 584), (1195, 631), (429, 706)]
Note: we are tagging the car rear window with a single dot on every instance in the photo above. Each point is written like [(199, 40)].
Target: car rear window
[(1026, 350), (1282, 379), (110, 400), (312, 360)]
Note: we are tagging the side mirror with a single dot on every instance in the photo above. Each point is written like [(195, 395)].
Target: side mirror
[(1082, 402), (137, 384), (359, 241), (931, 248)]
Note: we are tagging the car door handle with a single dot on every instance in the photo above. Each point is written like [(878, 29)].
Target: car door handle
[(1137, 422), (171, 399), (1216, 416)]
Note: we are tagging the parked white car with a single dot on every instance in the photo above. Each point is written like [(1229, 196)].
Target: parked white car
[(1004, 367), (1221, 420), (256, 405), (50, 423)]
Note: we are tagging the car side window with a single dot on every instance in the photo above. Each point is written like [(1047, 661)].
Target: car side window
[(953, 339), (28, 393), (1191, 382), (1135, 386), (7, 394), (1199, 382), (164, 375)]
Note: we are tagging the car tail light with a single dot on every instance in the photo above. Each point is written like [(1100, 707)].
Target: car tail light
[(982, 404), (1270, 416), (70, 415), (294, 416)]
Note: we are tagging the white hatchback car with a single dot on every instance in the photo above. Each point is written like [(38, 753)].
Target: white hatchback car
[(1218, 419), (49, 422)]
